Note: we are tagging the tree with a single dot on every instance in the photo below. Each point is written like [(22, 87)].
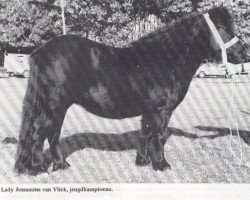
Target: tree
[(166, 10), (103, 20), (36, 21), (33, 22), (24, 24)]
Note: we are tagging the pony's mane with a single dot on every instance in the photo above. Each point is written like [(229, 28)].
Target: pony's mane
[(221, 13)]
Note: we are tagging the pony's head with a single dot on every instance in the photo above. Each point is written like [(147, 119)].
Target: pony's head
[(222, 20)]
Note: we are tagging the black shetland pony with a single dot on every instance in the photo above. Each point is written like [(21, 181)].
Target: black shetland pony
[(149, 78)]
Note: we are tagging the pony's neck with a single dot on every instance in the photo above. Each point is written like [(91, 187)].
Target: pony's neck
[(200, 47)]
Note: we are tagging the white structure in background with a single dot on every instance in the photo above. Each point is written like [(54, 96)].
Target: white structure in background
[(145, 25), (63, 17), (243, 68), (209, 69), (17, 64), (3, 72)]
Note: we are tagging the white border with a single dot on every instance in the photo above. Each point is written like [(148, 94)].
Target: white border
[(136, 191)]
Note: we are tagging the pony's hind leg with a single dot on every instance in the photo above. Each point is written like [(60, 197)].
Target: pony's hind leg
[(49, 126), (58, 107), (38, 138)]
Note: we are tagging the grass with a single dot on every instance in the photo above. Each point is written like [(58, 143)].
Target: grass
[(103, 151)]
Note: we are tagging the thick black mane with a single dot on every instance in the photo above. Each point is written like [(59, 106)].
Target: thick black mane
[(161, 32), (221, 13)]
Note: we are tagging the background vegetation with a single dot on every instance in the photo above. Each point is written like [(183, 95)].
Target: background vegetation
[(29, 23)]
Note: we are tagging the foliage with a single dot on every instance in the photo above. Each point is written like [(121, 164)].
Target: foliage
[(24, 24), (166, 10), (102, 20), (32, 22)]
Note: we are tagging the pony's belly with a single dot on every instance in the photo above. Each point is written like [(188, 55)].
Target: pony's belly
[(117, 105), (112, 111)]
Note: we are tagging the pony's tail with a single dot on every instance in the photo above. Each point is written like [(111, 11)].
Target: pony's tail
[(32, 107)]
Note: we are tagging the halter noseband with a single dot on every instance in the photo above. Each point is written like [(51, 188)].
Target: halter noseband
[(223, 46)]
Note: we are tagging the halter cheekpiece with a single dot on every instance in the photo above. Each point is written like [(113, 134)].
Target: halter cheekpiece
[(223, 46)]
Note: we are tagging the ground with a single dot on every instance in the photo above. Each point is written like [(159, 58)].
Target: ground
[(103, 151)]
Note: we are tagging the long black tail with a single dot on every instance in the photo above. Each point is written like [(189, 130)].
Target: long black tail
[(32, 107)]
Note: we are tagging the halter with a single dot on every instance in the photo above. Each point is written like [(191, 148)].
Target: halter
[(223, 46)]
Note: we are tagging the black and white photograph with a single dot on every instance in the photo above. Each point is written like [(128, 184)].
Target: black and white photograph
[(129, 92)]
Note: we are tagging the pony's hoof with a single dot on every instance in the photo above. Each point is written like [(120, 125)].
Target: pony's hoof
[(63, 165), (161, 166), (141, 161), (20, 168), (36, 170)]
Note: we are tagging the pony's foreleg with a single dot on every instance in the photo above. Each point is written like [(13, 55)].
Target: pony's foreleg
[(160, 135), (142, 157), (59, 161)]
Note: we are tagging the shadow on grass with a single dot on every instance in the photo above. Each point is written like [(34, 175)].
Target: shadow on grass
[(129, 140), (247, 113), (100, 141), (220, 132)]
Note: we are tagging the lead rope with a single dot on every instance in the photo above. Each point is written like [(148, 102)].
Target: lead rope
[(232, 111), (232, 115)]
